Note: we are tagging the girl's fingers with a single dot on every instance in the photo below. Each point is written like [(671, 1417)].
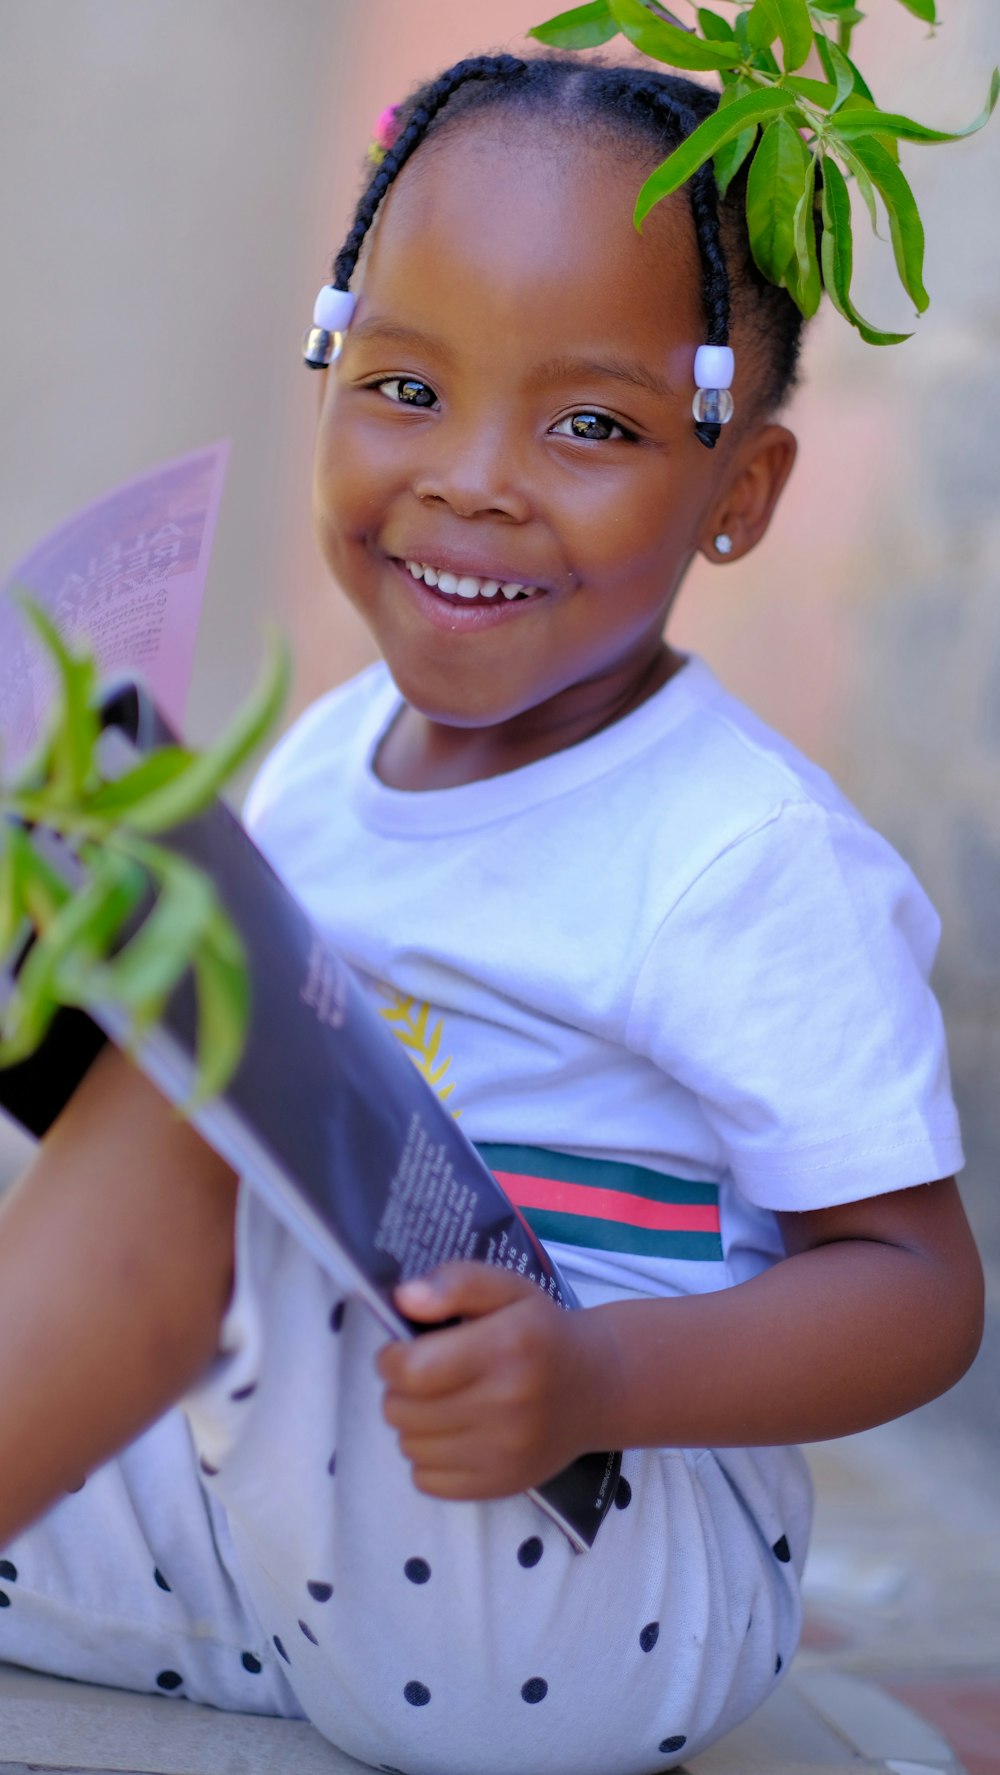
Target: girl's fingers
[(445, 1416), (441, 1362), (462, 1290), (462, 1453)]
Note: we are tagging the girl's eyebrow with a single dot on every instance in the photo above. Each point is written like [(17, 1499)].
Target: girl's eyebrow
[(614, 368), (394, 333)]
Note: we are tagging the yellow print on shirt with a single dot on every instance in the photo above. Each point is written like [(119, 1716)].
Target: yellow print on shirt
[(410, 1022)]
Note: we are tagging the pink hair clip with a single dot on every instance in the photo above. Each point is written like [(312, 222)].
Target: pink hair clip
[(386, 131)]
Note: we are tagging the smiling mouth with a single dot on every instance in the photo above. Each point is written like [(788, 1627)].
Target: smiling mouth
[(466, 586)]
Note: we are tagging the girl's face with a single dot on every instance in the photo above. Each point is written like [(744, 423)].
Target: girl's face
[(513, 405)]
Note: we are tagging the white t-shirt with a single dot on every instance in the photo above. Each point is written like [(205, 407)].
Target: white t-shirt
[(668, 978)]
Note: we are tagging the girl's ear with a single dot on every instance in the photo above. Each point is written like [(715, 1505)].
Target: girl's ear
[(743, 511)]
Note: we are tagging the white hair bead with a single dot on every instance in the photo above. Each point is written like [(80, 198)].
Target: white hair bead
[(333, 309), (714, 366)]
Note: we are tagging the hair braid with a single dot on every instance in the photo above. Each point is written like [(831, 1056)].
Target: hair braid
[(704, 198), (428, 102)]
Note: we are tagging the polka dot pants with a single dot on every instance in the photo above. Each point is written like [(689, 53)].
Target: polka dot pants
[(264, 1550)]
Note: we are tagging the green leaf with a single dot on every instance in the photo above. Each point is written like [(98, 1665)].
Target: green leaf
[(75, 725), (905, 226), (859, 173), (81, 932), (838, 256), (44, 890), (582, 28), (706, 141), (841, 71), (120, 884), (856, 101), (113, 799), (787, 19), (805, 287), (841, 14), (143, 975), (924, 9), (762, 25), (861, 179), (839, 68), (818, 92), (852, 123), (730, 158), (668, 43), (13, 906), (190, 792), (717, 29), (777, 180), (222, 980)]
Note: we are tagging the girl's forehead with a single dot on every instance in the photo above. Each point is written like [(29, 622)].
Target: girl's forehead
[(515, 232)]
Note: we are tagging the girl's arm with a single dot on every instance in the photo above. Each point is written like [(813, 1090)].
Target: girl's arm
[(877, 1308), (115, 1273)]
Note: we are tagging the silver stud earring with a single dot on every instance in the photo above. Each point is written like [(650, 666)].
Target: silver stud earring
[(724, 544)]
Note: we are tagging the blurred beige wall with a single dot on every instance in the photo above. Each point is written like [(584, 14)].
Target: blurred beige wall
[(175, 175)]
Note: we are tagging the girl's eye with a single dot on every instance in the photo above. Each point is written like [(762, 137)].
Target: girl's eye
[(598, 427), (407, 390)]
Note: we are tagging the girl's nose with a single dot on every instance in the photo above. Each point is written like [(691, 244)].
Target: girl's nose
[(475, 478)]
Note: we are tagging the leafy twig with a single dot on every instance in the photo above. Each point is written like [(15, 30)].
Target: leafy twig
[(807, 137), (83, 951)]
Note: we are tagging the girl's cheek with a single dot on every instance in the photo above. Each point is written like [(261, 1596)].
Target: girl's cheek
[(359, 466)]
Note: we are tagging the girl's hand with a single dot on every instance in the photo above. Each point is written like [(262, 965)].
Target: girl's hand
[(486, 1408)]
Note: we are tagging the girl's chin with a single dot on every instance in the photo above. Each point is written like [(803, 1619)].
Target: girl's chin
[(456, 701)]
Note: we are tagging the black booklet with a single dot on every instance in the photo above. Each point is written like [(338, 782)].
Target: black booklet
[(326, 1117)]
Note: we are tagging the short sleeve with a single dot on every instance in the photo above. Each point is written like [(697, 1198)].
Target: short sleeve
[(788, 990)]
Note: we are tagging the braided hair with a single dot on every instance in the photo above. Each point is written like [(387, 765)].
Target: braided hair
[(640, 109)]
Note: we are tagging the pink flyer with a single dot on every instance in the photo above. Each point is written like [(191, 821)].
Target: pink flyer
[(126, 576)]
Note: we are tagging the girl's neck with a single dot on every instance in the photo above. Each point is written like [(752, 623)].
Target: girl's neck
[(418, 754)]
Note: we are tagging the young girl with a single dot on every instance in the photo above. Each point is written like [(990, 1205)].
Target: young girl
[(672, 983)]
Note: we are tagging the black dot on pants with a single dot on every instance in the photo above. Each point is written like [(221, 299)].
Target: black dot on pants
[(417, 1694)]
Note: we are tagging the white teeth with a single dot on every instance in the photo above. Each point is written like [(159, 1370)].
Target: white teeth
[(467, 586)]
